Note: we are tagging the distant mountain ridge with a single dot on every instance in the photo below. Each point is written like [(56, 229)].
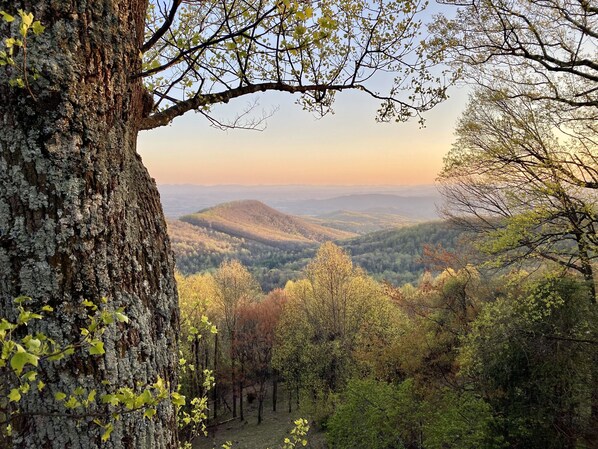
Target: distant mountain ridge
[(179, 200), (411, 207), (251, 219), (361, 222)]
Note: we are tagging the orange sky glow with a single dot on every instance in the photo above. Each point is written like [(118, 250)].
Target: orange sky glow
[(347, 148)]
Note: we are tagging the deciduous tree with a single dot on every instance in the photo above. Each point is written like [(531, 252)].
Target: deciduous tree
[(80, 217), (531, 189), (543, 50)]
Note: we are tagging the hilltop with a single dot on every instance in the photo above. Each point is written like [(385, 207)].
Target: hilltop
[(392, 255), (253, 220)]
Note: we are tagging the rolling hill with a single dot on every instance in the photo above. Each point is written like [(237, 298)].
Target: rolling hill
[(276, 247), (361, 222), (253, 220)]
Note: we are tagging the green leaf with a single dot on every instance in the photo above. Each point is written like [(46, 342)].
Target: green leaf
[(30, 376), (37, 27), (149, 413), (107, 432), (79, 391), (26, 22), (178, 399), (20, 359), (7, 17), (72, 403), (33, 344), (121, 317), (59, 396), (89, 304), (110, 399), (14, 395), (97, 348)]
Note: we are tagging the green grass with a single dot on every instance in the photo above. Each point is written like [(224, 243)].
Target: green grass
[(270, 433)]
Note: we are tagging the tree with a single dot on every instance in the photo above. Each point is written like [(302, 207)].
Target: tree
[(532, 356), (543, 50), (439, 314), (324, 322), (255, 342), (397, 416), (80, 217), (529, 188), (234, 286), (196, 298)]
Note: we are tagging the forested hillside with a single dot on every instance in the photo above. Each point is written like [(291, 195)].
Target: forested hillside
[(394, 255), (362, 222), (255, 221)]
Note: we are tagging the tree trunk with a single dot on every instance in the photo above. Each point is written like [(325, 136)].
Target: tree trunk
[(260, 409), (80, 218), (274, 391), (234, 386), (216, 392), (241, 411)]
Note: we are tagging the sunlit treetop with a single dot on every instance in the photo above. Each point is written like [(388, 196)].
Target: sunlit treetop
[(199, 53)]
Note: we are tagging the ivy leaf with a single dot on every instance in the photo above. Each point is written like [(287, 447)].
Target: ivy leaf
[(97, 348), (110, 399), (178, 399), (20, 359), (37, 27), (14, 395)]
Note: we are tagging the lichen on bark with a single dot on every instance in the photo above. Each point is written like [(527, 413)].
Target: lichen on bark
[(80, 218)]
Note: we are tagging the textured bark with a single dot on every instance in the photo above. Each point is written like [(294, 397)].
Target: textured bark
[(80, 218)]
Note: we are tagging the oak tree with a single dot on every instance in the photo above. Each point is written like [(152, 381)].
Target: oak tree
[(80, 217)]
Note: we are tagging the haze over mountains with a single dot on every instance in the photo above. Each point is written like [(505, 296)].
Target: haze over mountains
[(409, 203)]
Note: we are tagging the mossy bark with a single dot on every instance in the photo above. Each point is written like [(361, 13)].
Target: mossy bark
[(80, 218)]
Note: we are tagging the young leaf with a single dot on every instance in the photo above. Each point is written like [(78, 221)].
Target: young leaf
[(14, 395), (7, 17)]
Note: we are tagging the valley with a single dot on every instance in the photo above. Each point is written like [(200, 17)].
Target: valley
[(276, 246)]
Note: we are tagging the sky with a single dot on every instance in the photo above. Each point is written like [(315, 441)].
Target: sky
[(347, 148)]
